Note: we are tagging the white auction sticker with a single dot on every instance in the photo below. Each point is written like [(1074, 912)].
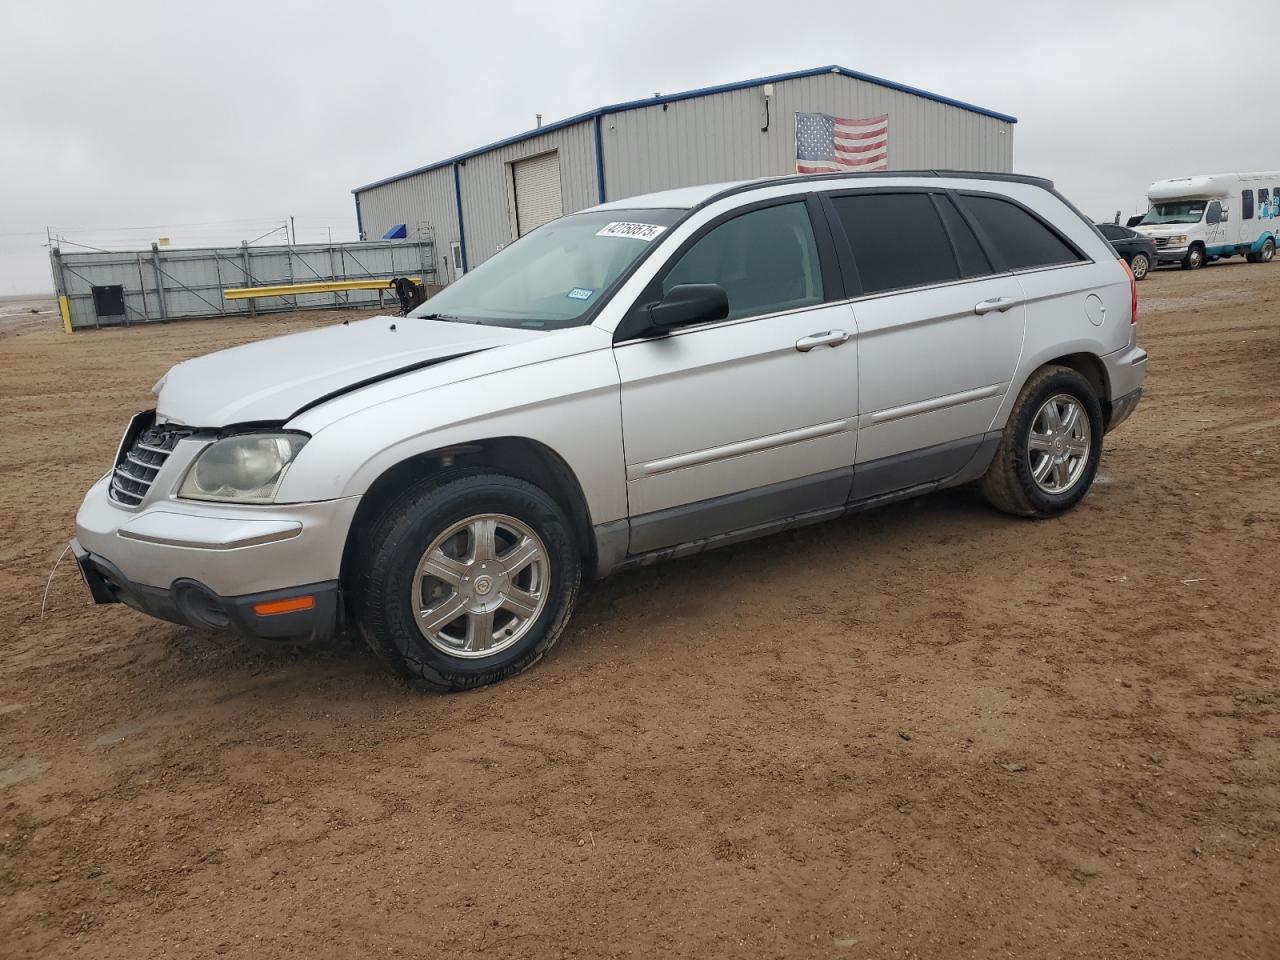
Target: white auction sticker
[(634, 231)]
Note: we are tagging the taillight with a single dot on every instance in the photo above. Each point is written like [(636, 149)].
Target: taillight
[(1133, 292)]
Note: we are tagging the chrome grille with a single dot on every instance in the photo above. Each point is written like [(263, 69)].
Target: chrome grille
[(144, 451)]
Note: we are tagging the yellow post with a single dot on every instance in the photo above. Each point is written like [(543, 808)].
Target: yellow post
[(65, 309)]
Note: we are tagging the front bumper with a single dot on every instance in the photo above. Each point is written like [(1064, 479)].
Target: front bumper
[(209, 564), (1171, 254), (192, 603)]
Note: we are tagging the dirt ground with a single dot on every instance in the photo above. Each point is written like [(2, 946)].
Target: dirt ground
[(929, 731)]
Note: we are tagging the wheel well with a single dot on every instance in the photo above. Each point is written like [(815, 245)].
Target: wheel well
[(517, 457), (1092, 369)]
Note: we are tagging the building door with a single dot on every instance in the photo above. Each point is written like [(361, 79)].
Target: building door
[(537, 188)]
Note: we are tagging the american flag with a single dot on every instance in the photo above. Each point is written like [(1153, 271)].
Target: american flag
[(833, 144)]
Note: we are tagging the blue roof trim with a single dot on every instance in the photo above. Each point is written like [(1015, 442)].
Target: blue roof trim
[(688, 95)]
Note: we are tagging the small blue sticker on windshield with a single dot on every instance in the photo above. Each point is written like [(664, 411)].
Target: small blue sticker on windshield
[(580, 293)]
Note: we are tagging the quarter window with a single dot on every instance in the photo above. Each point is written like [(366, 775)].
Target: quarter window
[(1022, 239), (1246, 204), (897, 240), (766, 261)]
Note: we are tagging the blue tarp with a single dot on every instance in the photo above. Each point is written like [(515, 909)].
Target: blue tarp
[(398, 232)]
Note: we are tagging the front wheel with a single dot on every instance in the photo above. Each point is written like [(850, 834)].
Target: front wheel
[(468, 581), (1194, 259), (1140, 266), (1050, 447)]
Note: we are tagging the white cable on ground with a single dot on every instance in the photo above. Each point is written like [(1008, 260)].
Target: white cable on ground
[(48, 583)]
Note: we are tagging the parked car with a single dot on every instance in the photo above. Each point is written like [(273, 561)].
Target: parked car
[(1138, 252), (645, 379)]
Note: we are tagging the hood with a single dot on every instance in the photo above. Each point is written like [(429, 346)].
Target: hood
[(272, 380), (1163, 229)]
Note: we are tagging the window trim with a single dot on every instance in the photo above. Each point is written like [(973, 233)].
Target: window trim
[(630, 328), (993, 253), (955, 249)]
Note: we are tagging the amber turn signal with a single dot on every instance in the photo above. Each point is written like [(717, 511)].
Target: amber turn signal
[(292, 605)]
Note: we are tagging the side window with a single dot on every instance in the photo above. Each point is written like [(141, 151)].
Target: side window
[(897, 240), (766, 260), (1214, 213), (1264, 202), (1111, 231), (1246, 204), (1022, 239), (973, 262)]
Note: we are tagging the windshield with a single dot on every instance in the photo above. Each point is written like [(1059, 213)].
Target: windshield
[(1177, 211), (552, 277)]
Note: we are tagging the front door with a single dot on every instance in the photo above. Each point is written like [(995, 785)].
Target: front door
[(749, 420)]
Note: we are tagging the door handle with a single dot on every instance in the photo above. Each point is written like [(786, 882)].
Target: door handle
[(1000, 304), (830, 338)]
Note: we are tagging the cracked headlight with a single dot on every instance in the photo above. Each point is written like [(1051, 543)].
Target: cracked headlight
[(246, 468)]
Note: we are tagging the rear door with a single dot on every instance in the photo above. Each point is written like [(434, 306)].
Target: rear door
[(740, 422), (940, 329)]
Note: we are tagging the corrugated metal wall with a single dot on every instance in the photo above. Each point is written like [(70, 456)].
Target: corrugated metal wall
[(647, 149), (488, 217), (421, 201), (171, 284), (701, 140)]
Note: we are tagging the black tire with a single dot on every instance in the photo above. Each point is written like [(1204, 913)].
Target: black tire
[(1008, 484), (1265, 255), (1140, 265), (1194, 259), (383, 574)]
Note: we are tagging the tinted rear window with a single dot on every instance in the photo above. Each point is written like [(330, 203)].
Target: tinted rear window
[(897, 240), (1021, 238)]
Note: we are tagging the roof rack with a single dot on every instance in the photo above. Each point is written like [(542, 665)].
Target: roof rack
[(1042, 182)]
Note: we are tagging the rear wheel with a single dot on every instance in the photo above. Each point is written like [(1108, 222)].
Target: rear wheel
[(1266, 254), (1050, 448), (1194, 259), (1140, 266), (467, 582)]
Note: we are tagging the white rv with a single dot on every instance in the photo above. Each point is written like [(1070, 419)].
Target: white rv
[(1197, 219)]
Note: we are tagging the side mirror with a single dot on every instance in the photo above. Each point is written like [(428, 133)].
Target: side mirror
[(689, 303)]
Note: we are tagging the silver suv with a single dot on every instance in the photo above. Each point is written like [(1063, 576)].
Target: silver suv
[(645, 379)]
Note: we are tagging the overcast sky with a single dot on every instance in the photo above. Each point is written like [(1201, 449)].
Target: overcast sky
[(213, 122)]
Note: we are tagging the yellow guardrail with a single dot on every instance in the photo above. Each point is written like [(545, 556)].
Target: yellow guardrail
[(294, 289)]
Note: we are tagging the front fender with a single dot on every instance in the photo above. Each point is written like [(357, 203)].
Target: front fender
[(570, 404)]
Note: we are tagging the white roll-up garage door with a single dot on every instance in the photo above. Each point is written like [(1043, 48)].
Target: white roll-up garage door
[(537, 188)]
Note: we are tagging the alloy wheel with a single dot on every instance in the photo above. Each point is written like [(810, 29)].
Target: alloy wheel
[(480, 586), (1058, 448)]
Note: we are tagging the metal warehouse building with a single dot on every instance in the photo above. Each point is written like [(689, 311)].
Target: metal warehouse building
[(474, 203)]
